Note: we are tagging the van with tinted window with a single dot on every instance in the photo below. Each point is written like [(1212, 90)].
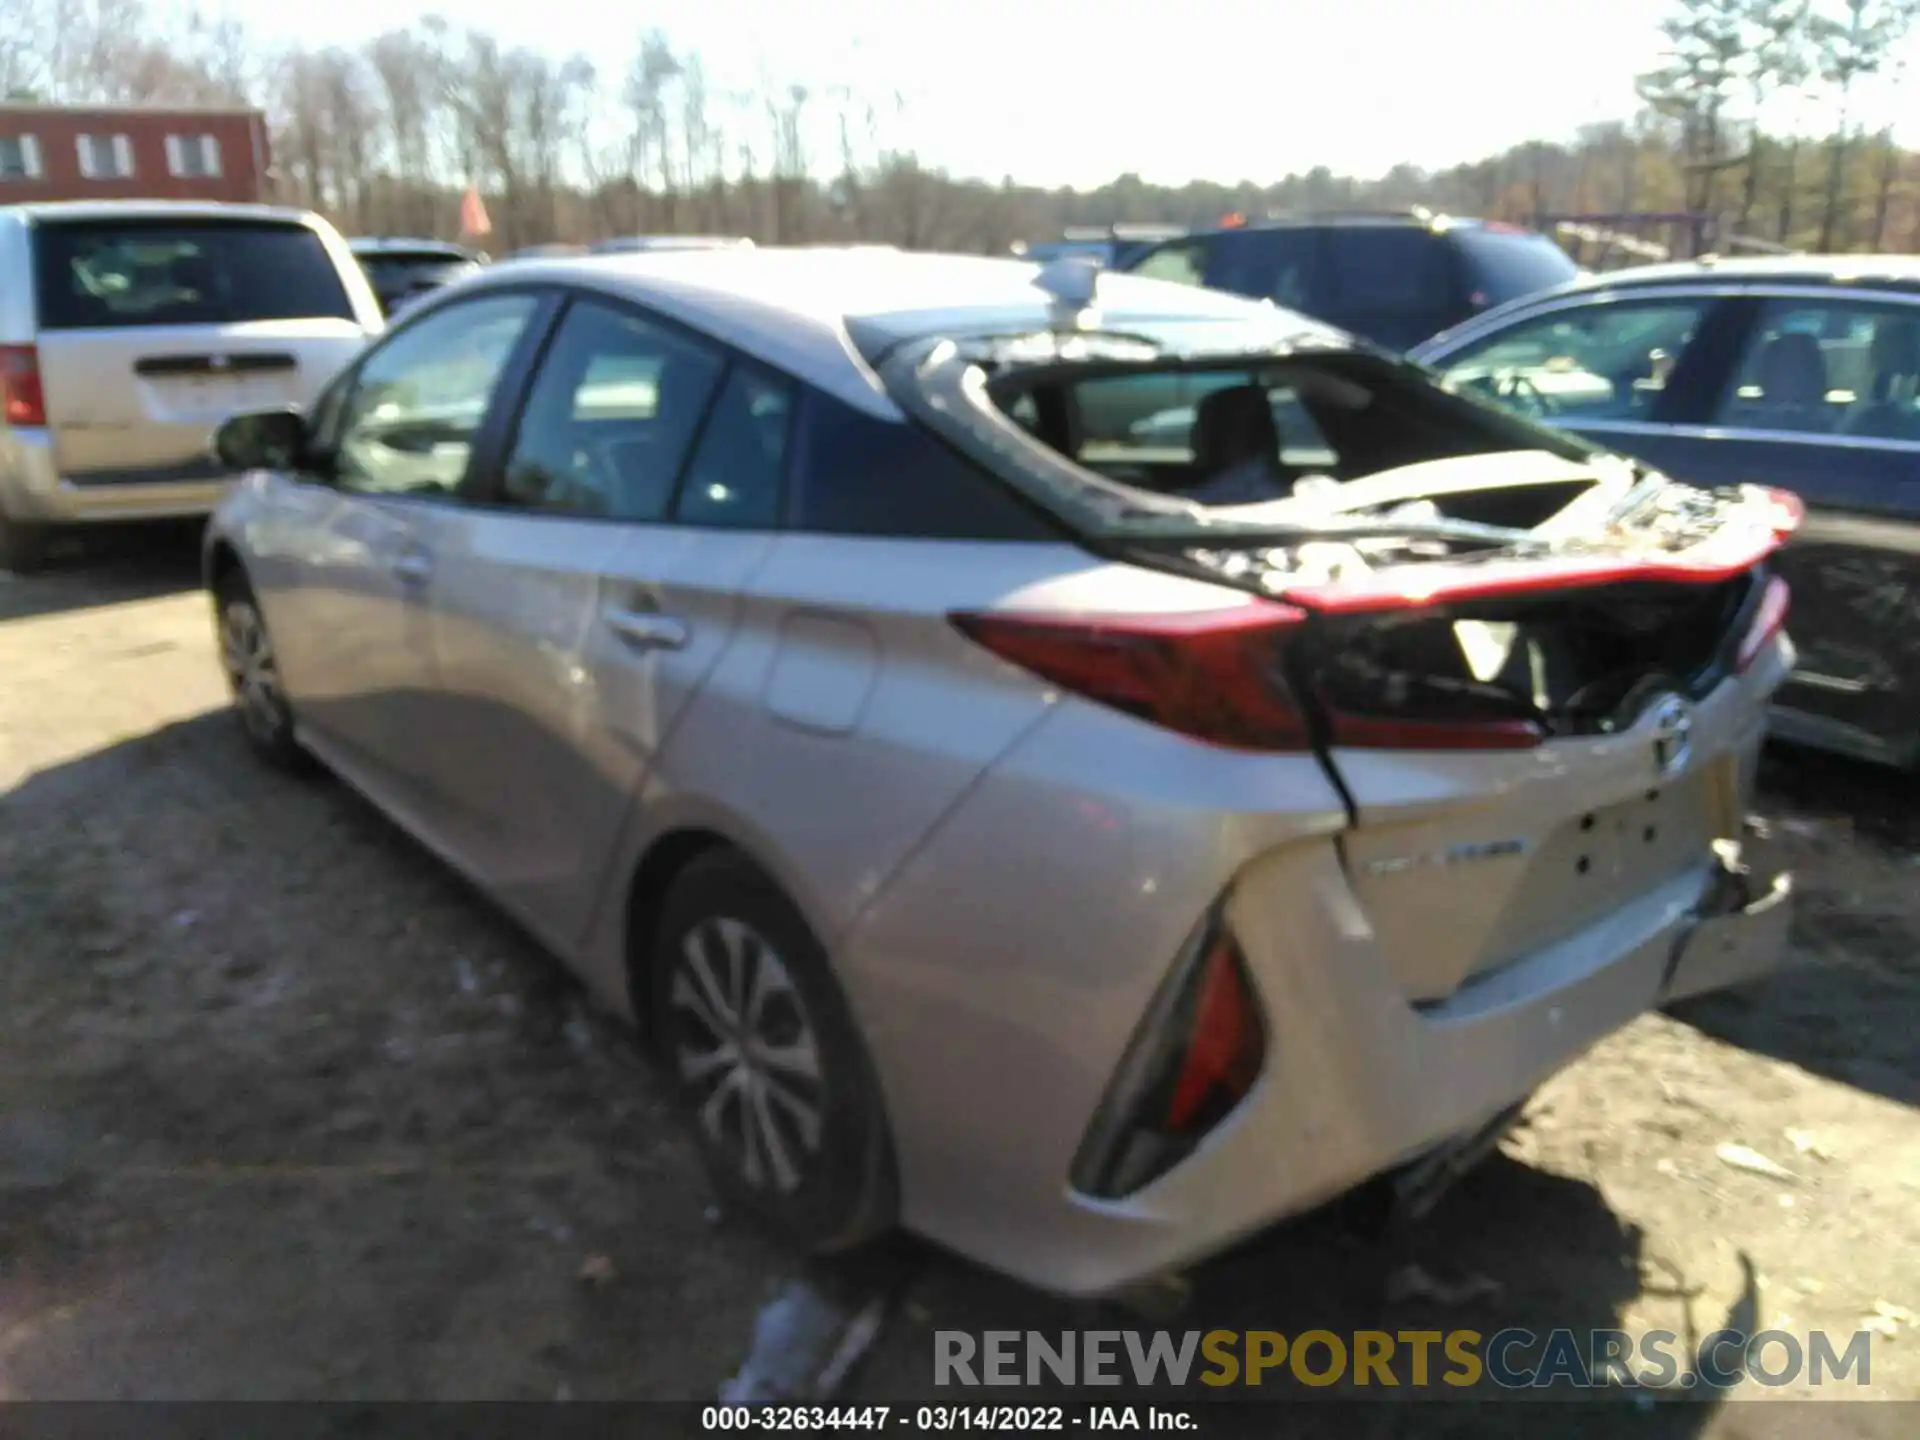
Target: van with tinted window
[(130, 329)]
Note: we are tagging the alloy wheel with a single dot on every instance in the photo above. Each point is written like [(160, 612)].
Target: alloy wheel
[(252, 670), (748, 1054)]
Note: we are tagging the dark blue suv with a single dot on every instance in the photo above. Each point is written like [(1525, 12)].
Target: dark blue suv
[(1391, 278)]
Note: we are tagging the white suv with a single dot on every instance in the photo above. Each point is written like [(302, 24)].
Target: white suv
[(130, 329)]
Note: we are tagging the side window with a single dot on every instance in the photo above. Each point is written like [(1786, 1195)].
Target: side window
[(861, 475), (1828, 368), (610, 416), (405, 422), (1387, 267), (1182, 261), (1588, 362), (735, 478)]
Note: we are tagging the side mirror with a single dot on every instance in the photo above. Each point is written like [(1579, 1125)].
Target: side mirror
[(261, 440)]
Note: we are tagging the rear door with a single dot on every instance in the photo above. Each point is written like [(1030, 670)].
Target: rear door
[(579, 608), (152, 331), (1472, 851)]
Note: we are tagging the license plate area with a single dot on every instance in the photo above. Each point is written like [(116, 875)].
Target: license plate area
[(1600, 859)]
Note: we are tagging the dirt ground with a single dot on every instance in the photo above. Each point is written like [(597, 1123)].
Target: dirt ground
[(287, 1112)]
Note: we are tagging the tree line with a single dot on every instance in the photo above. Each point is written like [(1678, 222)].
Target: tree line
[(1751, 126)]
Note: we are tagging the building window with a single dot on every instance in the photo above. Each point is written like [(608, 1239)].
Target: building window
[(104, 157), (19, 158), (193, 157)]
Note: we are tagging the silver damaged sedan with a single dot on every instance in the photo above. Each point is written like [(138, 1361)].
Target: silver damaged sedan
[(1076, 766)]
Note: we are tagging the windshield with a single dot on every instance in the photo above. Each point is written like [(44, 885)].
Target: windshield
[(1123, 439)]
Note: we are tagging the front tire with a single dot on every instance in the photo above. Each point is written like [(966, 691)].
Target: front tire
[(253, 674), (764, 1057)]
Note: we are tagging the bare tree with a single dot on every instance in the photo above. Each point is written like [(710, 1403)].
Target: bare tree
[(1694, 85), (1852, 49), (648, 90), (1779, 38)]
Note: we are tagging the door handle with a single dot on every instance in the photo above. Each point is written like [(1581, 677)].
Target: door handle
[(414, 567), (648, 629)]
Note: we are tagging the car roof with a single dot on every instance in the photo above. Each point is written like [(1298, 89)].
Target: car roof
[(1871, 271), (402, 245), (1433, 223), (623, 244), (820, 312), (83, 210)]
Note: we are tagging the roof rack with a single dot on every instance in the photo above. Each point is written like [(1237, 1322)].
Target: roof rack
[(1123, 230), (1420, 214)]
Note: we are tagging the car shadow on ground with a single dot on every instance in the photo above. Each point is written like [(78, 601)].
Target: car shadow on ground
[(1512, 1252), (106, 565), (1843, 1009)]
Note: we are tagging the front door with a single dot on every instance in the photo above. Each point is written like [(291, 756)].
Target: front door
[(351, 622), (576, 615)]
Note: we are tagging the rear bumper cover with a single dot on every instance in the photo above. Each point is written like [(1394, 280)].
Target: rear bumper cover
[(1738, 931), (33, 489), (1360, 1083)]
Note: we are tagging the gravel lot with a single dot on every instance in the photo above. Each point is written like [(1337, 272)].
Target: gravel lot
[(285, 1111)]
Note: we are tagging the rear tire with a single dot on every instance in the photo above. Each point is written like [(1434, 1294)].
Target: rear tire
[(764, 1057), (253, 674), (23, 545)]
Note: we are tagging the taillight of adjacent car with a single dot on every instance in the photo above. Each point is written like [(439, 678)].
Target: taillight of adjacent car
[(1196, 1055), (23, 401)]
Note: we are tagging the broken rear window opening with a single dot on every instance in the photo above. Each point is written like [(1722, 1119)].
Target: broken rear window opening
[(1277, 464), (1462, 576), (1127, 441)]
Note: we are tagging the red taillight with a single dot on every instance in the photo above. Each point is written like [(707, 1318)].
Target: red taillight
[(22, 400), (1223, 1049), (1769, 619), (1214, 675), (1196, 1055)]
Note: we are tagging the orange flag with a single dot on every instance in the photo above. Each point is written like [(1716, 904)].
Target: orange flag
[(473, 213)]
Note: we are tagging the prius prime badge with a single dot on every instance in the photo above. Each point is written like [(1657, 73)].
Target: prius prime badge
[(1672, 735)]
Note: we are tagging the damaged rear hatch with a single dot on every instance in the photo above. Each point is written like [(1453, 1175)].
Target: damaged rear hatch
[(1536, 672)]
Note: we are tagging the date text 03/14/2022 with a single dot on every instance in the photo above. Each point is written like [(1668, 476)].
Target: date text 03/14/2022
[(993, 1419)]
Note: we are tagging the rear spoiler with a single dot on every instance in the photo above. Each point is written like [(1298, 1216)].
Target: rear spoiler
[(1754, 528)]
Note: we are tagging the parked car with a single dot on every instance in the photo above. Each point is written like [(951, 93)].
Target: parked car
[(1797, 372), (1394, 278), (554, 250), (1112, 245), (990, 839), (638, 244), (402, 270), (130, 329)]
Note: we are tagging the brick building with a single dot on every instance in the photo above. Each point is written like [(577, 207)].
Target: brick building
[(61, 152)]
